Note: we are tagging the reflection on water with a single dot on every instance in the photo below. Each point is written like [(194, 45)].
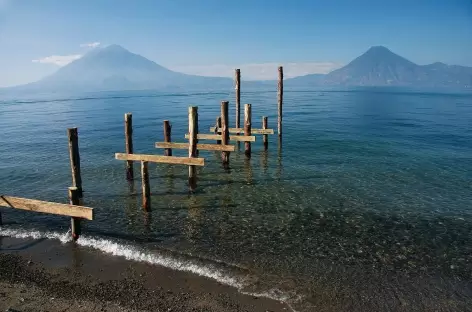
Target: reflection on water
[(365, 206), (193, 231), (279, 159), (248, 171), (169, 180), (147, 222), (264, 161), (131, 187)]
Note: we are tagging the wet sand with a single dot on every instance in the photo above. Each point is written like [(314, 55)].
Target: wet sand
[(45, 275)]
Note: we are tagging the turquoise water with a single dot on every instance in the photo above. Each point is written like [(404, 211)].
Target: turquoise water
[(366, 205)]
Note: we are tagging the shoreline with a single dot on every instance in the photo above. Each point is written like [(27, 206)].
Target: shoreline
[(32, 271)]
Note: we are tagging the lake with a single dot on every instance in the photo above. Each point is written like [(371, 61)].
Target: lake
[(365, 206)]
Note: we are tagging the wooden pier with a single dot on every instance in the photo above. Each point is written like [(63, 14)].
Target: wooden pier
[(221, 133)]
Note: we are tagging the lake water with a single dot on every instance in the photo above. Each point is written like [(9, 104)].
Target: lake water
[(366, 205)]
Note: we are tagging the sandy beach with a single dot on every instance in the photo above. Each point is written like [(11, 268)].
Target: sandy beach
[(45, 275)]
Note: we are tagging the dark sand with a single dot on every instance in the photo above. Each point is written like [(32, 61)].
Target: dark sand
[(45, 275)]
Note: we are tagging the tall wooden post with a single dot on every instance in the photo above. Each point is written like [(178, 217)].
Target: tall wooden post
[(145, 186), (247, 129), (280, 96), (225, 131), (192, 146), (167, 137), (74, 199), (265, 136), (129, 144), (218, 127), (196, 131), (74, 155), (237, 77)]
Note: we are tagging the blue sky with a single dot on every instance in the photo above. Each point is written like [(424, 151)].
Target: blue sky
[(211, 37)]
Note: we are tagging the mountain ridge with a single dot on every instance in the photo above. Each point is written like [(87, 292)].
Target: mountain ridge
[(379, 66), (114, 68)]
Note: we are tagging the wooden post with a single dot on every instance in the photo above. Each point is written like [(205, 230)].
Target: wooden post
[(224, 131), (167, 137), (247, 129), (218, 126), (265, 136), (129, 144), (280, 96), (192, 147), (237, 74), (145, 186), (196, 131), (75, 160), (74, 199)]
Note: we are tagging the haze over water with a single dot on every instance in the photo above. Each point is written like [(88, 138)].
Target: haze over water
[(365, 207)]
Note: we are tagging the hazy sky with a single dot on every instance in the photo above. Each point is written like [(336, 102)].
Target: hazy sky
[(211, 37)]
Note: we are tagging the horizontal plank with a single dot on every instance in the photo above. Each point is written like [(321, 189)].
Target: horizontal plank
[(241, 130), (162, 159), (242, 138), (201, 147), (47, 207)]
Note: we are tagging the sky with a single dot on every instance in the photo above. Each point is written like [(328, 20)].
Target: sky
[(212, 37)]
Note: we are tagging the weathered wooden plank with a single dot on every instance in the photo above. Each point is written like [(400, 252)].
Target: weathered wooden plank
[(192, 145), (218, 126), (161, 159), (201, 147), (74, 156), (264, 137), (145, 186), (247, 129), (167, 136), (129, 144), (280, 97), (237, 78), (76, 229), (241, 130), (46, 207), (225, 133), (241, 138)]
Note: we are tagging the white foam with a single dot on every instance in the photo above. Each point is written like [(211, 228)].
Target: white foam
[(19, 233), (275, 294), (136, 254), (133, 253)]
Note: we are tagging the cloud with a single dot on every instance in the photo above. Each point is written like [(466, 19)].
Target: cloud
[(59, 60), (262, 71), (90, 45)]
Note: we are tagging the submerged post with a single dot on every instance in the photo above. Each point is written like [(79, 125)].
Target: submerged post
[(224, 131), (74, 199), (192, 146), (74, 155), (167, 137), (217, 128), (265, 136), (145, 186), (280, 95), (247, 129), (129, 144), (237, 74)]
